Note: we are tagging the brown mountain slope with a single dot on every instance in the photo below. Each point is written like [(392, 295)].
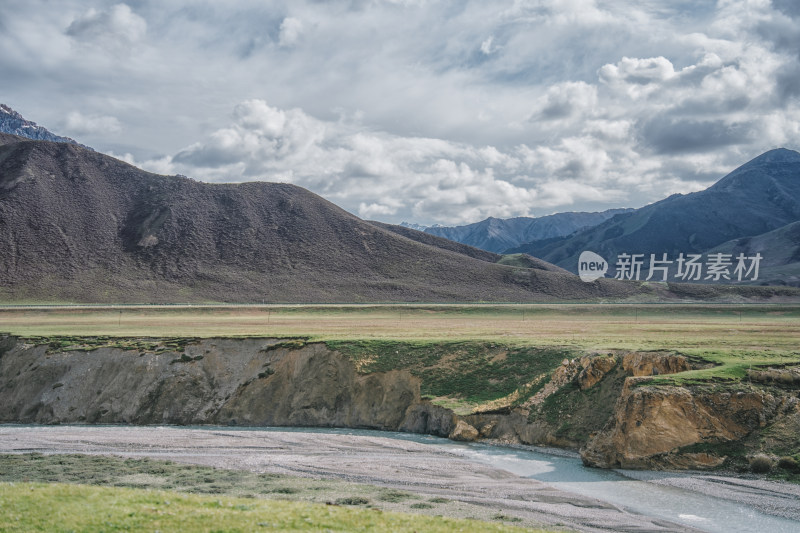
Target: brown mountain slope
[(77, 225)]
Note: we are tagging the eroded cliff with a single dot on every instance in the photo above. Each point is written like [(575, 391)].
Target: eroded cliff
[(610, 405), (245, 381)]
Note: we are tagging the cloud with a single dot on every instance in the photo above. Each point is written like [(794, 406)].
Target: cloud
[(290, 31), (261, 140), (79, 124), (378, 174), (410, 109), (788, 7), (487, 46), (638, 71), (118, 24), (668, 135), (565, 100), (787, 83), (370, 211)]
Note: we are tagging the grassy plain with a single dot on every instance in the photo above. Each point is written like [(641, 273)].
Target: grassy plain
[(30, 507), (236, 485), (734, 337), (696, 327)]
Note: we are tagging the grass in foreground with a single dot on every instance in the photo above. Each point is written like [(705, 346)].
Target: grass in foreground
[(57, 507), (151, 474)]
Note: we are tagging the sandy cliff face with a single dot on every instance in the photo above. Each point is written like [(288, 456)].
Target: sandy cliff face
[(654, 363), (606, 405), (651, 424)]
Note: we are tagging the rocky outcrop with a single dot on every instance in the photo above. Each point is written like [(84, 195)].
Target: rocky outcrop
[(562, 375), (576, 400), (652, 423), (778, 376), (595, 369), (463, 432), (516, 428), (316, 387), (654, 363), (429, 419)]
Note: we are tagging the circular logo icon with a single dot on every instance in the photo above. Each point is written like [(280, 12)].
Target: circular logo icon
[(591, 266)]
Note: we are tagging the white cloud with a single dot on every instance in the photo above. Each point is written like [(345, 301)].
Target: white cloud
[(378, 174), (291, 29), (370, 211), (116, 24), (79, 124), (565, 100), (638, 71), (486, 46), (452, 112)]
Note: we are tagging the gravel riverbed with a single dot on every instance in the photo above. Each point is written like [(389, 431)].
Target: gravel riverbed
[(416, 467)]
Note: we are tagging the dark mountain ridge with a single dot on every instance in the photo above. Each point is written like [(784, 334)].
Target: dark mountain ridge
[(500, 234), (760, 196), (780, 250), (13, 123), (76, 225)]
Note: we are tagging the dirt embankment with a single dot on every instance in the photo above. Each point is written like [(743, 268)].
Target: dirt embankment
[(661, 427), (607, 406), (603, 403), (257, 382)]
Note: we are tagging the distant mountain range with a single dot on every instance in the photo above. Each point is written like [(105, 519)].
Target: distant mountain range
[(76, 225), (498, 234), (13, 123), (752, 209)]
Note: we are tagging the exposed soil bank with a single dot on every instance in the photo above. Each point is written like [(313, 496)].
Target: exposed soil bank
[(604, 403), (252, 382)]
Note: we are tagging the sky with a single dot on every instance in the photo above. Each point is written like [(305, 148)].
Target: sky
[(433, 112)]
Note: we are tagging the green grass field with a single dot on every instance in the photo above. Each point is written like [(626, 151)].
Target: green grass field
[(237, 488), (28, 507), (705, 327)]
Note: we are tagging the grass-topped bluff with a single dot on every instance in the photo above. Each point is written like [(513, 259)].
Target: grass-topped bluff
[(631, 386)]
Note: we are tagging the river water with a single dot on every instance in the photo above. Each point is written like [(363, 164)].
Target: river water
[(688, 507)]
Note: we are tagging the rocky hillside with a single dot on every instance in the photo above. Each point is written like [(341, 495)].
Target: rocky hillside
[(13, 123), (439, 242), (76, 225)]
